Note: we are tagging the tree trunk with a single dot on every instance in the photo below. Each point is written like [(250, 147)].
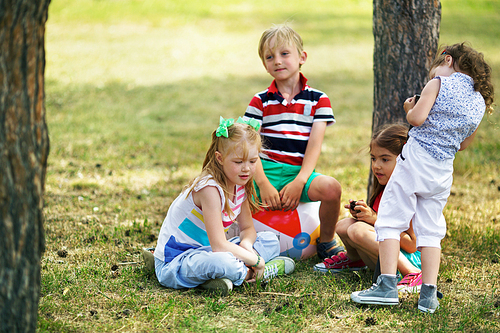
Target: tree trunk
[(406, 36), (24, 148)]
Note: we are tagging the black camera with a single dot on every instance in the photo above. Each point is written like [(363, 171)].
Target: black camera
[(353, 206)]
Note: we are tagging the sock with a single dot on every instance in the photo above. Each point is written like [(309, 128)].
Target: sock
[(388, 275)]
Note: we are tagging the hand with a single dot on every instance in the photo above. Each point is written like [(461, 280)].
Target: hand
[(349, 206), (257, 272), (362, 212), (290, 195), (270, 197), (409, 103)]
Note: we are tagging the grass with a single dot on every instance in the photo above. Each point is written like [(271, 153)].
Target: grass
[(133, 91)]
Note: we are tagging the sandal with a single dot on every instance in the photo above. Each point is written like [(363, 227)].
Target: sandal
[(328, 249)]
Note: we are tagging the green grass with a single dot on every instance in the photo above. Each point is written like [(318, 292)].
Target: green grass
[(133, 91)]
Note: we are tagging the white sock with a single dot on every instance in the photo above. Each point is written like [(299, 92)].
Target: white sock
[(388, 275), (429, 285)]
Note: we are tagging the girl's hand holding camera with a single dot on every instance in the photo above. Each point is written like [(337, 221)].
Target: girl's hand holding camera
[(361, 211)]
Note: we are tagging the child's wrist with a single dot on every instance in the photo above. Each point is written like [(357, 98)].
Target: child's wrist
[(301, 180), (259, 258)]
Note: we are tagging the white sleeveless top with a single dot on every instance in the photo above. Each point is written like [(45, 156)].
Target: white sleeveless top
[(184, 228)]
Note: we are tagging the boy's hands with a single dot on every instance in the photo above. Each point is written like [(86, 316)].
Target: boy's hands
[(270, 197), (288, 198), (362, 212), (290, 195)]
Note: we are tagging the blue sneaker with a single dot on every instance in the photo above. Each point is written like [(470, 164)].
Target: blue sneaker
[(384, 292), (428, 301)]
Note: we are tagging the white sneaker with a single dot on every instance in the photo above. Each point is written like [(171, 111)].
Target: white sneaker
[(149, 258)]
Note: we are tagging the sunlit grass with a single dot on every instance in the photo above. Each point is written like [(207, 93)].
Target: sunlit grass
[(133, 90)]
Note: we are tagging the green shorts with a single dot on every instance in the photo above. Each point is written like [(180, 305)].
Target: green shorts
[(280, 174)]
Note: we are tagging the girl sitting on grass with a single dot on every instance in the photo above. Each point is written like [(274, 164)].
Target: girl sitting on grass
[(358, 232), (192, 248)]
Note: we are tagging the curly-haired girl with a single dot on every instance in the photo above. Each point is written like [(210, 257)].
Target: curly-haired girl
[(445, 120)]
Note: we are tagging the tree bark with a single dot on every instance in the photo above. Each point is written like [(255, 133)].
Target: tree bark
[(406, 34), (24, 148)]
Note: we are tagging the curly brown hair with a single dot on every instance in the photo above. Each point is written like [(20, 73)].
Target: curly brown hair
[(470, 62)]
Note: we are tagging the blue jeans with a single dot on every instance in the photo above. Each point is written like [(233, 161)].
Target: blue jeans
[(195, 266)]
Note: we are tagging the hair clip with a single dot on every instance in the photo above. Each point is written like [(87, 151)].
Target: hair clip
[(444, 52), (223, 125)]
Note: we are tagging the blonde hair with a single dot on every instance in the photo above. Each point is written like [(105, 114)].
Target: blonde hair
[(284, 36), (472, 63), (239, 136)]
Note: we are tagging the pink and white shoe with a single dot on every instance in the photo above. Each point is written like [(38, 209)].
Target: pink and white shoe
[(411, 283), (339, 263)]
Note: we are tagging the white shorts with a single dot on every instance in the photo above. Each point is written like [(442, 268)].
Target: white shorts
[(417, 190)]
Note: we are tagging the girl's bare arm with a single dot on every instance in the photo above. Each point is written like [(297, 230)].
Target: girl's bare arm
[(210, 203)]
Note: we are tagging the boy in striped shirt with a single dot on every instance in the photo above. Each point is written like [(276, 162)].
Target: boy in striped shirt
[(293, 118)]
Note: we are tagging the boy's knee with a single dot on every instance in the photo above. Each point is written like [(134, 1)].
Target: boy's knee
[(329, 189), (334, 188)]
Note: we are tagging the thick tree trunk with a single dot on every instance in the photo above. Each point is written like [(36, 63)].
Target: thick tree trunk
[(406, 36), (24, 148)]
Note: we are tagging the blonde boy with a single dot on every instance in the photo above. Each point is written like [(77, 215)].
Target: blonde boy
[(293, 118)]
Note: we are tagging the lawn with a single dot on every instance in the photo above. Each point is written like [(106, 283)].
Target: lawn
[(133, 90)]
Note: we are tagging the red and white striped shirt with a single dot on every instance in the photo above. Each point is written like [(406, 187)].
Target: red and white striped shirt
[(285, 127)]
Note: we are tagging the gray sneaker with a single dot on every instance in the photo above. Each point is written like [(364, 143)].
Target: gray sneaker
[(384, 292), (428, 301), (222, 286)]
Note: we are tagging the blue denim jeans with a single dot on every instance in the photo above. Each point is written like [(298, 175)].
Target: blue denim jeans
[(195, 266)]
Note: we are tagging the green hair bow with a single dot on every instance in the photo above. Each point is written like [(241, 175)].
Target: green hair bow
[(251, 122), (224, 124)]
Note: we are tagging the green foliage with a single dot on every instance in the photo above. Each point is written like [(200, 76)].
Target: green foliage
[(134, 89)]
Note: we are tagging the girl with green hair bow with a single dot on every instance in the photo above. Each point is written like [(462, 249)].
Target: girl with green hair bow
[(192, 248)]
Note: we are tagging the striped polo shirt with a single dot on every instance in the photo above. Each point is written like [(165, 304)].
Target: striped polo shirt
[(285, 127)]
